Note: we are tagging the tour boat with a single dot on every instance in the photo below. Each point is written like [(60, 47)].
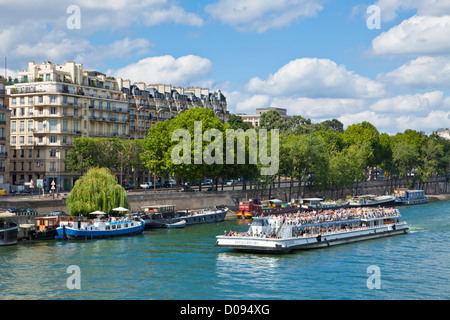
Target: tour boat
[(320, 204), (407, 197), (82, 228), (371, 200), (280, 234), (253, 208), (8, 229)]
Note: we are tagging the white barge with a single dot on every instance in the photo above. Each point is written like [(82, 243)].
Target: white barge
[(283, 234)]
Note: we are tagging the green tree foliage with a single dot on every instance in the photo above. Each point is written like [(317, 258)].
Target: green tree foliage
[(96, 190)]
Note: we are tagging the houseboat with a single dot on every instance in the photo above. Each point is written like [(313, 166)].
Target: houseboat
[(275, 234), (407, 197), (160, 216), (46, 228), (253, 208), (371, 200), (320, 204), (8, 229), (206, 215), (80, 228)]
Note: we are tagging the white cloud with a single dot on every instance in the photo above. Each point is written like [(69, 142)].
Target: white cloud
[(262, 15), (319, 108), (418, 35), (421, 73), (390, 8), (249, 105), (37, 30), (312, 77), (184, 71), (418, 104)]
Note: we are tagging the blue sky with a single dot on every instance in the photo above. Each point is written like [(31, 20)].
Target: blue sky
[(316, 58)]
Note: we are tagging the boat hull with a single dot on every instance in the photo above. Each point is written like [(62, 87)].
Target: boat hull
[(374, 204), (217, 216), (270, 245), (411, 202), (77, 234), (8, 236)]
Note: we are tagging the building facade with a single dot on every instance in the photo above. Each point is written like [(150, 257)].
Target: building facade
[(52, 105), (443, 133), (4, 137), (254, 119)]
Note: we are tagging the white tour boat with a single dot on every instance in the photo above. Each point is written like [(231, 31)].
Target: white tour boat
[(299, 231)]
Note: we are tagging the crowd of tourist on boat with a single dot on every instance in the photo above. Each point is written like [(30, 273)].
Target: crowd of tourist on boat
[(318, 220)]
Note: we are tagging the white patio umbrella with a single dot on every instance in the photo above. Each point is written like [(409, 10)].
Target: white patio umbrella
[(97, 212), (120, 209)]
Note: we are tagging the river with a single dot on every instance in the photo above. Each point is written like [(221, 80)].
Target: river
[(184, 264)]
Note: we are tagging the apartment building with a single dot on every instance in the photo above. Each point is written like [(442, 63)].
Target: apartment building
[(151, 103), (4, 137), (254, 119), (52, 105)]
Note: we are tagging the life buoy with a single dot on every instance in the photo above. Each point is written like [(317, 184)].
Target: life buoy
[(70, 224)]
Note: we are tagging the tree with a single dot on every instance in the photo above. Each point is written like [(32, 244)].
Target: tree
[(271, 120), (236, 122), (96, 190)]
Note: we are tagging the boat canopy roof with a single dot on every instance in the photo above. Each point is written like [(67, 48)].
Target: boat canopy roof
[(275, 201)]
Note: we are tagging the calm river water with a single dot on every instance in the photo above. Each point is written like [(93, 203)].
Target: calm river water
[(184, 264)]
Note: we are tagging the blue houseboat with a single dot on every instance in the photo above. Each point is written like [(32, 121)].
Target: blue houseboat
[(83, 229), (406, 197)]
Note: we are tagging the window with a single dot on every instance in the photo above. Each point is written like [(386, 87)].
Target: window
[(30, 140), (52, 153), (53, 124), (13, 126), (53, 110), (22, 126), (22, 140), (75, 126), (30, 125), (40, 99), (53, 139), (52, 166), (53, 99), (40, 126), (13, 140)]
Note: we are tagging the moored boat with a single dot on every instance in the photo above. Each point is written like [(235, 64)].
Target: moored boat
[(83, 229), (254, 208), (371, 200), (8, 229), (206, 215), (179, 224), (159, 216), (407, 197), (280, 234), (46, 228), (320, 204)]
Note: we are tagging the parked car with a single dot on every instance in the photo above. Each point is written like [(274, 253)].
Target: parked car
[(129, 187), (146, 185)]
